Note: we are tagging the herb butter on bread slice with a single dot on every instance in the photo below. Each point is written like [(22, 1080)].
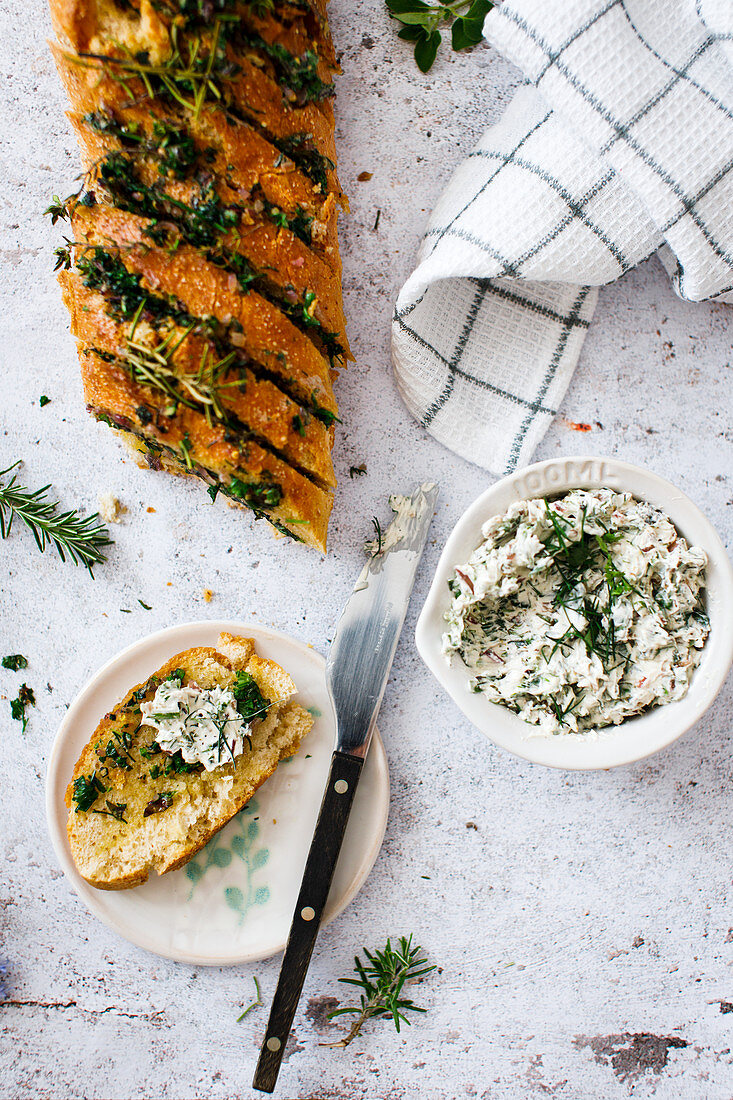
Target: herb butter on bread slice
[(137, 807)]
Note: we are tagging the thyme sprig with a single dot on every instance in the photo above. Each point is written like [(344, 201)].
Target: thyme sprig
[(422, 22), (190, 75), (153, 366), (382, 979), (81, 539)]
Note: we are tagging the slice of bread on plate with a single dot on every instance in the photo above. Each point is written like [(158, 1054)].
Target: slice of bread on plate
[(135, 807)]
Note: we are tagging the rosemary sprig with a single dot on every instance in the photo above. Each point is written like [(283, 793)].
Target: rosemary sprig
[(81, 539), (421, 23), (382, 978)]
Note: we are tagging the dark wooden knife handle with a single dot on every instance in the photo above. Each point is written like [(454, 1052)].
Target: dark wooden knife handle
[(320, 865)]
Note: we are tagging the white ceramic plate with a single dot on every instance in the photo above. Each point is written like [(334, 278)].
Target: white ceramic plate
[(234, 901), (636, 737)]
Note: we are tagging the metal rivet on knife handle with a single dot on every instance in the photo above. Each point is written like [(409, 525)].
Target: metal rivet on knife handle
[(341, 786), (307, 913), (273, 1043)]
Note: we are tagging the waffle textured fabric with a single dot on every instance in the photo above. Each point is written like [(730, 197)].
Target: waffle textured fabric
[(618, 145)]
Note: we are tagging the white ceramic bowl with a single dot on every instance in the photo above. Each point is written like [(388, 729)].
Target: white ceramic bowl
[(636, 737)]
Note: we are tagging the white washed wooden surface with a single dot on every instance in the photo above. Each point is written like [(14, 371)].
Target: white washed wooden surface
[(582, 923)]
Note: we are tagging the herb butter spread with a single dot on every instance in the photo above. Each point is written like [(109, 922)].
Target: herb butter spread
[(579, 612), (202, 724)]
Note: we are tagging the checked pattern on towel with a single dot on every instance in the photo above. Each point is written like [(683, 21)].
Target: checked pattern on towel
[(619, 144)]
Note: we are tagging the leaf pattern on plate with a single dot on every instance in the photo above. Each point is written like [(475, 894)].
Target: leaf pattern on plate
[(242, 845)]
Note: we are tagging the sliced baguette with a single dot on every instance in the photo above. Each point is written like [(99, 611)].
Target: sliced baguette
[(243, 470), (260, 407), (205, 290), (207, 214), (114, 854)]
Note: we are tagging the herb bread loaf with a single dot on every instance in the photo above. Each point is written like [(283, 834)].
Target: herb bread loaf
[(202, 270), (137, 807)]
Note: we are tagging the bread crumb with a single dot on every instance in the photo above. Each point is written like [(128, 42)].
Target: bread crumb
[(150, 508), (110, 508), (208, 595)]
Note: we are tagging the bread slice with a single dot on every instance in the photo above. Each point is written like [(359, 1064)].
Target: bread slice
[(144, 820)]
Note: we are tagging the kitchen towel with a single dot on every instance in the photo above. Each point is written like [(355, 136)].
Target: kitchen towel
[(618, 145)]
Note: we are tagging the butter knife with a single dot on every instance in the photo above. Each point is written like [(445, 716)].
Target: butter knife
[(356, 672)]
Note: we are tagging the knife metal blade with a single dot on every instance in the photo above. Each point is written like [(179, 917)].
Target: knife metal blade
[(357, 672), (367, 633)]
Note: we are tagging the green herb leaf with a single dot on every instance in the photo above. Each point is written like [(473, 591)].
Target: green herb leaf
[(63, 258), (468, 30), (57, 210), (117, 754), (14, 661), (251, 703), (460, 39), (573, 560), (43, 401), (86, 790), (259, 496), (186, 448), (138, 695), (422, 22), (256, 1003), (26, 698), (408, 8)]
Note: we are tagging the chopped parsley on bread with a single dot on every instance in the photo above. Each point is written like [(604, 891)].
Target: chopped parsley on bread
[(137, 807)]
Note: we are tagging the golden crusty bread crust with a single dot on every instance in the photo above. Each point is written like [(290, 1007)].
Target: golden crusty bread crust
[(241, 154), (114, 854)]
